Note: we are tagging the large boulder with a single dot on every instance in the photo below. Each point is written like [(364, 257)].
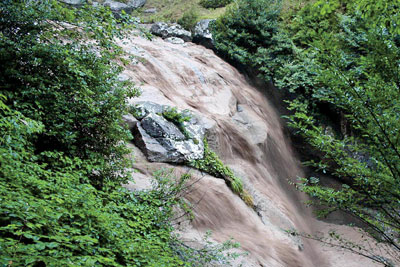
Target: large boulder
[(162, 140), (202, 33), (166, 30)]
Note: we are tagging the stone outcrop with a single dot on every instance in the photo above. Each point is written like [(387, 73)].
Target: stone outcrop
[(202, 33), (116, 6), (166, 30), (162, 140)]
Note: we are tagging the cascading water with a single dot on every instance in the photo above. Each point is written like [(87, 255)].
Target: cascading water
[(246, 133)]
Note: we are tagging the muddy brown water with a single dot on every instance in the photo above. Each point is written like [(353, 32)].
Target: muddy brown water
[(247, 134)]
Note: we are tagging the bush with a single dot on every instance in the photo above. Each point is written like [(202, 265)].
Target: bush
[(248, 33), (346, 64), (62, 146), (360, 74), (52, 215), (189, 19), (214, 3)]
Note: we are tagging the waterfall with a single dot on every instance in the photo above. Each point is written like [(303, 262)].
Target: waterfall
[(247, 133)]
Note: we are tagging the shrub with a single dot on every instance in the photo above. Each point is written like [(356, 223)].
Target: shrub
[(360, 74), (189, 19), (52, 215), (214, 3), (248, 33)]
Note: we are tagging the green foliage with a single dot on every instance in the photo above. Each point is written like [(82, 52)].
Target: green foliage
[(173, 115), (137, 111), (178, 118), (189, 19), (213, 165), (173, 10), (362, 80), (70, 86), (339, 58), (210, 253), (214, 3), (315, 21), (248, 33), (382, 13), (62, 146), (359, 70), (51, 216)]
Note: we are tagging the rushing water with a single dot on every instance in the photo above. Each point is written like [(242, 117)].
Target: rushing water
[(246, 132)]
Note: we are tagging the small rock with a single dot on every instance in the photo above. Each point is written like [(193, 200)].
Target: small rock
[(150, 10), (117, 7), (165, 30), (74, 2), (174, 40)]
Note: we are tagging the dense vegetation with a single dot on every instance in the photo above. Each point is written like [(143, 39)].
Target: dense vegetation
[(63, 147), (176, 10), (214, 3), (339, 62)]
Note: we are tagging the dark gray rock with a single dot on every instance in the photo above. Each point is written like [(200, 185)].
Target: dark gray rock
[(162, 141), (202, 33), (153, 150), (158, 127), (165, 30)]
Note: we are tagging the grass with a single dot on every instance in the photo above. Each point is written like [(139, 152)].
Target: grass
[(172, 10)]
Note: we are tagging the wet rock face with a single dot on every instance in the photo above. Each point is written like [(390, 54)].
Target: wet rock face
[(162, 140), (202, 33), (165, 30)]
